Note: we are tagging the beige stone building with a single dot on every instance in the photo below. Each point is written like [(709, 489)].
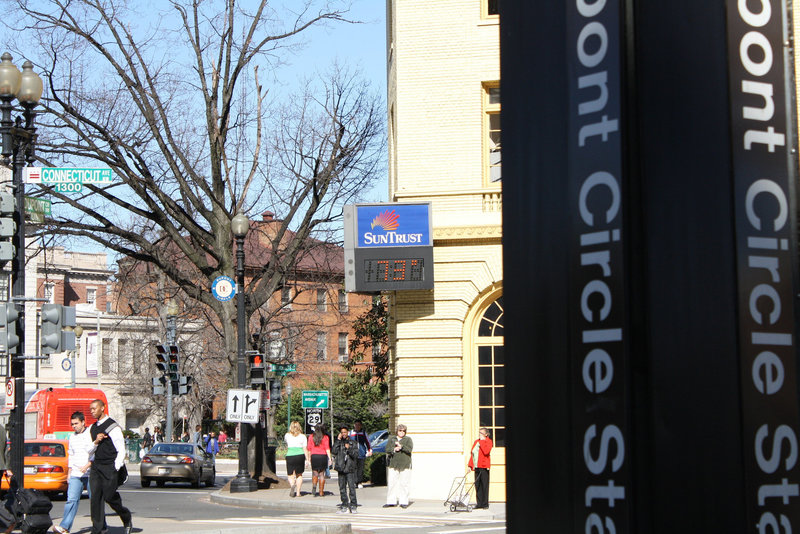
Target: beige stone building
[(444, 148)]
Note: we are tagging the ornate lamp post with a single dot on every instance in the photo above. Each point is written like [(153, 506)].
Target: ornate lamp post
[(239, 226), (19, 140), (75, 353)]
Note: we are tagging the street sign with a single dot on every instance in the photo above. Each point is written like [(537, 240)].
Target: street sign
[(243, 405), (315, 399), (65, 179), (10, 393), (223, 288), (314, 417), (38, 208)]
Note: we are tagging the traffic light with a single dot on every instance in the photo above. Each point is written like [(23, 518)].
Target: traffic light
[(275, 391), (8, 205), (257, 370), (55, 318), (8, 322), (161, 358), (172, 371), (184, 385), (158, 385)]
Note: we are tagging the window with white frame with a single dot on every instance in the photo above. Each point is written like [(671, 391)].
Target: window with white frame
[(322, 345), (50, 292), (491, 126), (322, 297), (491, 8), (286, 296), (343, 301), (91, 295), (105, 355), (276, 349), (342, 346)]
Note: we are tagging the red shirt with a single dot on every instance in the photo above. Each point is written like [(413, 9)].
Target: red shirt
[(323, 448), (484, 448)]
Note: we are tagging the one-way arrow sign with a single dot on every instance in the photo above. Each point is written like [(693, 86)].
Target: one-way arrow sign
[(243, 405)]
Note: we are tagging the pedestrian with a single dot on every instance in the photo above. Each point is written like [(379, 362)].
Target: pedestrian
[(296, 457), (108, 459), (345, 454), (364, 449), (81, 449), (480, 463), (5, 470), (197, 438), (319, 456), (158, 437), (185, 437), (212, 447), (223, 437), (399, 448), (147, 440)]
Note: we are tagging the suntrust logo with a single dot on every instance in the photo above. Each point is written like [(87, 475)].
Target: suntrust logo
[(398, 225)]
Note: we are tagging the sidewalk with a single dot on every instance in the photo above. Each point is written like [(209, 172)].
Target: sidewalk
[(370, 500)]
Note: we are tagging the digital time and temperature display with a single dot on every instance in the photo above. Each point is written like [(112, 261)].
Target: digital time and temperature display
[(394, 270)]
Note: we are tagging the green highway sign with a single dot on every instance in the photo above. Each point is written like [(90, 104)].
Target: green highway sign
[(66, 179), (315, 399)]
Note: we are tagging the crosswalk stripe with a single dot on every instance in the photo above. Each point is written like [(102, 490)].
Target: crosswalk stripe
[(376, 521)]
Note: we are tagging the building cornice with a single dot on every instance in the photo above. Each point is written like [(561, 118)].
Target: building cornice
[(462, 233)]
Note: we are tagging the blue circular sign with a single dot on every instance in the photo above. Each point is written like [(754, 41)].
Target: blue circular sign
[(66, 364), (223, 288)]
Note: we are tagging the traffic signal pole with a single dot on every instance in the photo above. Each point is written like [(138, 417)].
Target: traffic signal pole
[(170, 342)]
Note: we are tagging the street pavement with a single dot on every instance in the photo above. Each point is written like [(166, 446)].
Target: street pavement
[(284, 514)]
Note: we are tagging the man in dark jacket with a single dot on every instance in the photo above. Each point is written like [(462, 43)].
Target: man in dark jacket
[(345, 454)]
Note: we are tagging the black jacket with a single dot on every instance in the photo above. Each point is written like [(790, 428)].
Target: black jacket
[(345, 458)]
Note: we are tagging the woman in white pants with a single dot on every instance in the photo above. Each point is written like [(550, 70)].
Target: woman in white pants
[(399, 448)]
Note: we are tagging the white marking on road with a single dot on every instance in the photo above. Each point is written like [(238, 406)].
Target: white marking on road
[(482, 529), (374, 521)]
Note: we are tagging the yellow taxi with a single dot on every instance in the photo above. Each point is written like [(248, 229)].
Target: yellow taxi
[(45, 465)]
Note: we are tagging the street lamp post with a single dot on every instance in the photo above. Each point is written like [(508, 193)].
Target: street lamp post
[(239, 226), (289, 406), (19, 140), (78, 333)]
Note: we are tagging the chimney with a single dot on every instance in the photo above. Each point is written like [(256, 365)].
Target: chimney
[(267, 216)]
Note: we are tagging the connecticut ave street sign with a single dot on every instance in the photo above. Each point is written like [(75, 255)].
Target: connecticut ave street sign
[(66, 180)]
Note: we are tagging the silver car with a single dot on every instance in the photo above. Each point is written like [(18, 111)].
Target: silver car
[(177, 462)]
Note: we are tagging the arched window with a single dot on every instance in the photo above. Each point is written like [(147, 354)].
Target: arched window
[(491, 372)]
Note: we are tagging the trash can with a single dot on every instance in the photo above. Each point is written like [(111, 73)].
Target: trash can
[(132, 448)]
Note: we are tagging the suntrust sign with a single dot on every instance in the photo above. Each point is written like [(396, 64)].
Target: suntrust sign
[(766, 241), (598, 304), (393, 225)]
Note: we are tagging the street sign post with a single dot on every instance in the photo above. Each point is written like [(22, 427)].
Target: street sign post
[(315, 399), (243, 405)]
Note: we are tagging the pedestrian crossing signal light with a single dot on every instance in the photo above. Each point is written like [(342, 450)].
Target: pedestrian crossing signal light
[(184, 385), (257, 369)]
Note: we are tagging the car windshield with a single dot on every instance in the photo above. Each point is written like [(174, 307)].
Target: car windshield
[(172, 448), (45, 449)]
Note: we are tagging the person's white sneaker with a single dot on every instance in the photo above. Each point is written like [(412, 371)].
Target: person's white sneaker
[(361, 486), (60, 529)]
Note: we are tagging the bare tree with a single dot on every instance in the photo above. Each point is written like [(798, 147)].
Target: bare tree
[(175, 105), (178, 112)]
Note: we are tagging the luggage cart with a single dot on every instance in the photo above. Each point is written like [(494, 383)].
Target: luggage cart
[(460, 494)]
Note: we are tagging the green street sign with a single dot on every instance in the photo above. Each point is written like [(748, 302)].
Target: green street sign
[(315, 399), (38, 208), (66, 180)]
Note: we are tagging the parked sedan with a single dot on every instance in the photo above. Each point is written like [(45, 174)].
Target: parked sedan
[(377, 441), (45, 466), (177, 462)]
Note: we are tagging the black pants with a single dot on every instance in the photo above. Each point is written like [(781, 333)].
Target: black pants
[(360, 470), (347, 481), (103, 483), (481, 487)]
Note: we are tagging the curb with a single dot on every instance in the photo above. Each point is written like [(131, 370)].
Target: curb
[(224, 497), (281, 529)]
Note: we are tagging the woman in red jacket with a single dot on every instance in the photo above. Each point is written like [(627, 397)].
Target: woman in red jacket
[(480, 462)]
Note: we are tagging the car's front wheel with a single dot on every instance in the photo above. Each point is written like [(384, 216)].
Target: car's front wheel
[(145, 482)]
